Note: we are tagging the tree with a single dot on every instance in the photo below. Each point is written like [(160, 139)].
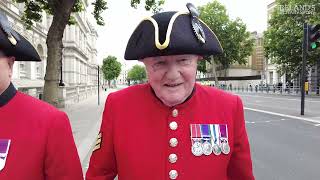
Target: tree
[(61, 11), (137, 73), (284, 37), (111, 68), (233, 35), (202, 66)]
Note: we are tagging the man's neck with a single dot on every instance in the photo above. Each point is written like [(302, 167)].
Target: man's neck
[(7, 95), (4, 88)]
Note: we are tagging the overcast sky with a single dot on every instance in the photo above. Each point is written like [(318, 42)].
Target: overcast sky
[(121, 20)]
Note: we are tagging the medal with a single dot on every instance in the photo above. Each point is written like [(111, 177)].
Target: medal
[(215, 139), (224, 139), (225, 148), (4, 149), (207, 148), (196, 147), (216, 149), (206, 137)]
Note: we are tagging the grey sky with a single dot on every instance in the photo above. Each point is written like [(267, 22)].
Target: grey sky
[(121, 20)]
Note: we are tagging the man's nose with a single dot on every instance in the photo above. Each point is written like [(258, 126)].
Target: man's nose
[(173, 72)]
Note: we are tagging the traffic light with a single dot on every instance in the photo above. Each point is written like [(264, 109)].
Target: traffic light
[(314, 37)]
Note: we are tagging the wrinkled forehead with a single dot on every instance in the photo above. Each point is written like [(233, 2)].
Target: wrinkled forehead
[(171, 57)]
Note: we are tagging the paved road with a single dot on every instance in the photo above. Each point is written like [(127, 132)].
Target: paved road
[(283, 148), (284, 144), (289, 105)]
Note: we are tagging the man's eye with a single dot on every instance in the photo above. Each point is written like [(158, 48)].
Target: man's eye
[(184, 61), (159, 63)]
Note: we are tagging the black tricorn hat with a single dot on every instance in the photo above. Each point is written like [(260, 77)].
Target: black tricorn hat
[(13, 44), (172, 33)]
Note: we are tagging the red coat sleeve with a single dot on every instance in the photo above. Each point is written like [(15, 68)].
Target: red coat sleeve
[(240, 166), (102, 164), (62, 161)]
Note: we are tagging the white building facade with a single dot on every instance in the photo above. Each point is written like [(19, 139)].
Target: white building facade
[(272, 75), (80, 68)]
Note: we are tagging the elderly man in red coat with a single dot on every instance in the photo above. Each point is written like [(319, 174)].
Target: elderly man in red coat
[(36, 140), (172, 127)]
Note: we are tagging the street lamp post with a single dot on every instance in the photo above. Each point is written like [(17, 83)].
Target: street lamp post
[(61, 77), (303, 70), (98, 85)]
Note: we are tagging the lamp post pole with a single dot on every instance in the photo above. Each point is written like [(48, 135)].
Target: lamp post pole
[(61, 84), (98, 85)]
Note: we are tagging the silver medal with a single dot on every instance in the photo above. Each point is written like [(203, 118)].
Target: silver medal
[(225, 148), (216, 149), (197, 148), (207, 148)]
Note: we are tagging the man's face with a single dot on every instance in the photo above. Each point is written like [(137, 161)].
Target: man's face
[(6, 64), (172, 77)]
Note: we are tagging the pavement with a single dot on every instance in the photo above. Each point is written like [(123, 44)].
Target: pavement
[(85, 119)]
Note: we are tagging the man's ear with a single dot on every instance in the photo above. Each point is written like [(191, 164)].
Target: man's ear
[(200, 57), (10, 64)]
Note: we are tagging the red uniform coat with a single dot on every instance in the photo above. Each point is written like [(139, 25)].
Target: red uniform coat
[(135, 137), (42, 145)]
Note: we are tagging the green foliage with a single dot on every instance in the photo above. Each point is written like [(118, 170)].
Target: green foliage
[(78, 6), (233, 35), (154, 5), (284, 37), (99, 7), (202, 66), (111, 68), (137, 73), (33, 9)]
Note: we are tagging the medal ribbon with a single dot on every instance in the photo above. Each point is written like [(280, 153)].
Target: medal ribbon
[(4, 147), (195, 131), (205, 131), (223, 131), (213, 130)]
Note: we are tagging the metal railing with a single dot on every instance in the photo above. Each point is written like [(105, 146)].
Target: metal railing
[(294, 90), (73, 93)]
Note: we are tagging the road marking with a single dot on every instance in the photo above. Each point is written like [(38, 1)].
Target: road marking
[(278, 98), (283, 119), (260, 122), (282, 115), (317, 125)]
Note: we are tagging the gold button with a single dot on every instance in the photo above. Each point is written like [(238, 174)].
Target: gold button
[(173, 142), (175, 113), (173, 174), (173, 125), (173, 158)]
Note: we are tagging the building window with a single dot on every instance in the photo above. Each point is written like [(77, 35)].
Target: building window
[(22, 69), (38, 72), (271, 77)]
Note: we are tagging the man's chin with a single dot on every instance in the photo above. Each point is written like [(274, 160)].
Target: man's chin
[(173, 101)]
